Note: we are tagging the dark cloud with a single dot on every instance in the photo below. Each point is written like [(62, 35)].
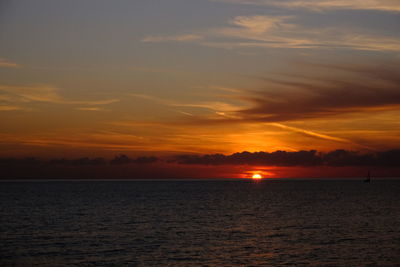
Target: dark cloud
[(121, 159), (124, 159), (300, 158), (80, 161), (22, 161), (340, 90), (197, 166), (145, 160), (85, 161), (277, 158)]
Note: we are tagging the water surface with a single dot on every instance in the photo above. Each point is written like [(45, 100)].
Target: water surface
[(206, 223)]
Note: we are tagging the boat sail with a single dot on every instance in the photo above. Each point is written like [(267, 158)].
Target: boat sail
[(368, 179)]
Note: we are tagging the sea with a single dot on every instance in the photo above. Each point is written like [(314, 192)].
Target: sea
[(335, 222)]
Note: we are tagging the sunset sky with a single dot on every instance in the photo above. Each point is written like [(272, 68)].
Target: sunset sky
[(166, 77)]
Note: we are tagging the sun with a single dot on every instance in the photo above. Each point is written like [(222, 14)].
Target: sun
[(256, 176)]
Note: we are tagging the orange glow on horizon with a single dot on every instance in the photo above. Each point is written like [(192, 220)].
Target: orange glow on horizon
[(261, 172), (257, 176)]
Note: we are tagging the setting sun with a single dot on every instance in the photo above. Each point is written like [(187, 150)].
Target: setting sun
[(257, 176)]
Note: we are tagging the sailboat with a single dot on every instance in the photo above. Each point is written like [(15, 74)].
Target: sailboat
[(368, 179)]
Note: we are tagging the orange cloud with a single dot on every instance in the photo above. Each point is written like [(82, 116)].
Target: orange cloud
[(20, 96), (319, 5), (176, 38), (283, 32), (8, 64)]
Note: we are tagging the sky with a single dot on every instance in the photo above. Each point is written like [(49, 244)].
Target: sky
[(169, 77)]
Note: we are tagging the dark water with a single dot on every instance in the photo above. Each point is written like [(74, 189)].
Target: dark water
[(200, 223)]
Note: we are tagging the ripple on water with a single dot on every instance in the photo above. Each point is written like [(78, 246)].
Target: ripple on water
[(193, 223)]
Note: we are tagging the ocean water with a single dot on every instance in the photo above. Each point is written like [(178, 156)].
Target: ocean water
[(200, 223)]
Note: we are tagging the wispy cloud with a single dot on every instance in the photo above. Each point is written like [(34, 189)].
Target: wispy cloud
[(286, 32), (10, 108), (258, 25), (22, 95), (308, 97), (358, 90), (98, 141), (39, 93), (310, 133), (175, 38), (212, 105), (216, 106), (89, 109), (8, 64), (318, 5), (91, 102)]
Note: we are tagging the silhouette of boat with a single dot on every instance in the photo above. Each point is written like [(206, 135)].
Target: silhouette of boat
[(368, 179)]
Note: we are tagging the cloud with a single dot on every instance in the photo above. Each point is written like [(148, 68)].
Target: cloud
[(8, 64), (31, 93), (262, 24), (283, 32), (106, 141), (320, 5), (78, 162), (176, 38), (84, 161), (91, 102), (260, 31), (117, 160), (21, 95), (10, 108), (310, 133), (348, 104), (292, 98), (279, 158), (298, 158), (124, 159), (90, 109), (216, 106)]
